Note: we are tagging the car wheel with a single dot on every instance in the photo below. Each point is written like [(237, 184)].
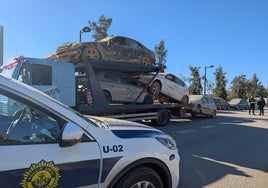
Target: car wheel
[(140, 177), (155, 88), (107, 96), (185, 100), (148, 99), (213, 114), (92, 53), (146, 61)]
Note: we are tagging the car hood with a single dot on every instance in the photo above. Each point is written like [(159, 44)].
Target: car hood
[(127, 129)]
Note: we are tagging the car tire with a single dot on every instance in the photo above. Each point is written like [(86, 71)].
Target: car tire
[(140, 177), (148, 99), (146, 61), (92, 53), (107, 96), (185, 100), (213, 114), (155, 88)]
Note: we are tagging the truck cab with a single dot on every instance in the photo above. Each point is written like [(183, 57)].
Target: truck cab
[(55, 78)]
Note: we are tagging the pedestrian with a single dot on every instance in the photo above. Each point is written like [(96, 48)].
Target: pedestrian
[(261, 103), (252, 102)]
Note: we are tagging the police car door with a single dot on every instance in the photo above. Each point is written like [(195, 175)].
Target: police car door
[(30, 151)]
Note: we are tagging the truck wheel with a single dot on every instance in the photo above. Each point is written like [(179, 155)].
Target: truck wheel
[(155, 88), (148, 99), (140, 177), (107, 96), (163, 118)]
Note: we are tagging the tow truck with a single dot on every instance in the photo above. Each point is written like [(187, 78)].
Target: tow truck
[(61, 80)]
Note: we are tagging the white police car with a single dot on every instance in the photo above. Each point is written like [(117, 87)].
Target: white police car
[(46, 144)]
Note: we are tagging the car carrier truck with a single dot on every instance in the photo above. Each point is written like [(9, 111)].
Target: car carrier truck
[(76, 85)]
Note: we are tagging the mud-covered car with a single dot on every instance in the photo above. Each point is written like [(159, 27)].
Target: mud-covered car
[(239, 104), (115, 48), (165, 87), (201, 105), (121, 88), (221, 103)]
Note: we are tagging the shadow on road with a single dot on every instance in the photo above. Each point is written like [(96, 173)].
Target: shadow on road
[(211, 156)]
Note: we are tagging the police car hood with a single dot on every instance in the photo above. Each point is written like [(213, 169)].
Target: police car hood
[(124, 129)]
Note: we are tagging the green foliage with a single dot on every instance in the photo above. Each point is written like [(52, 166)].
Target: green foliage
[(100, 28), (161, 55), (195, 82), (220, 89)]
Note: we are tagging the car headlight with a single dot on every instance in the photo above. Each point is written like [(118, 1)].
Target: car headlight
[(167, 141)]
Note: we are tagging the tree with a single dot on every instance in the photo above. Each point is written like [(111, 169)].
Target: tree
[(220, 89), (195, 82), (161, 55), (100, 28)]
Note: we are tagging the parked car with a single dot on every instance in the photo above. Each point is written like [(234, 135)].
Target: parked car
[(166, 87), (115, 48), (122, 88), (221, 103), (239, 104), (202, 105), (46, 144)]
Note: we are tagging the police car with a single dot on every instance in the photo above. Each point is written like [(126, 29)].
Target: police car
[(46, 144)]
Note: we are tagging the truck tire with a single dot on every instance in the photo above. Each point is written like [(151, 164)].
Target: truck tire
[(163, 118), (140, 177)]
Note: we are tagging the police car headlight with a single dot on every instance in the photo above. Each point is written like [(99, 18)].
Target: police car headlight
[(167, 141)]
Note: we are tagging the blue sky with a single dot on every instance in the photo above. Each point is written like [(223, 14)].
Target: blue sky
[(232, 34)]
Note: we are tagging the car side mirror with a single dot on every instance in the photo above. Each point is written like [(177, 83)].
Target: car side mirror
[(71, 135)]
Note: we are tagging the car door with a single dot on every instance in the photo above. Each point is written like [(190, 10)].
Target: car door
[(205, 105), (169, 87), (30, 152)]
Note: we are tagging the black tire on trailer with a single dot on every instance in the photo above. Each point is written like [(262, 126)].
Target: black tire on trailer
[(140, 177), (163, 118)]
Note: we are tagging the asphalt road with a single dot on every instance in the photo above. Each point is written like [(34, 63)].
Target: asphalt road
[(230, 150)]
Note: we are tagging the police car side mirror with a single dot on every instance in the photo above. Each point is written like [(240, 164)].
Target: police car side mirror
[(71, 135)]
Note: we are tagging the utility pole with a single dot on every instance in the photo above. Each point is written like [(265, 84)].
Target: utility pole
[(1, 44), (205, 81)]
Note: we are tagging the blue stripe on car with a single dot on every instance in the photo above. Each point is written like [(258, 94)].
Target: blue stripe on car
[(136, 133), (73, 174)]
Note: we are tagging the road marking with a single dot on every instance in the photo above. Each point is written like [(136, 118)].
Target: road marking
[(186, 131), (208, 126)]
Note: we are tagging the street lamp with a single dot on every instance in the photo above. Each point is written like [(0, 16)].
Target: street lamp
[(84, 30), (238, 83), (205, 81)]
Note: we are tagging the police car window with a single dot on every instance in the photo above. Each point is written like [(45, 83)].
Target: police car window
[(22, 123)]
